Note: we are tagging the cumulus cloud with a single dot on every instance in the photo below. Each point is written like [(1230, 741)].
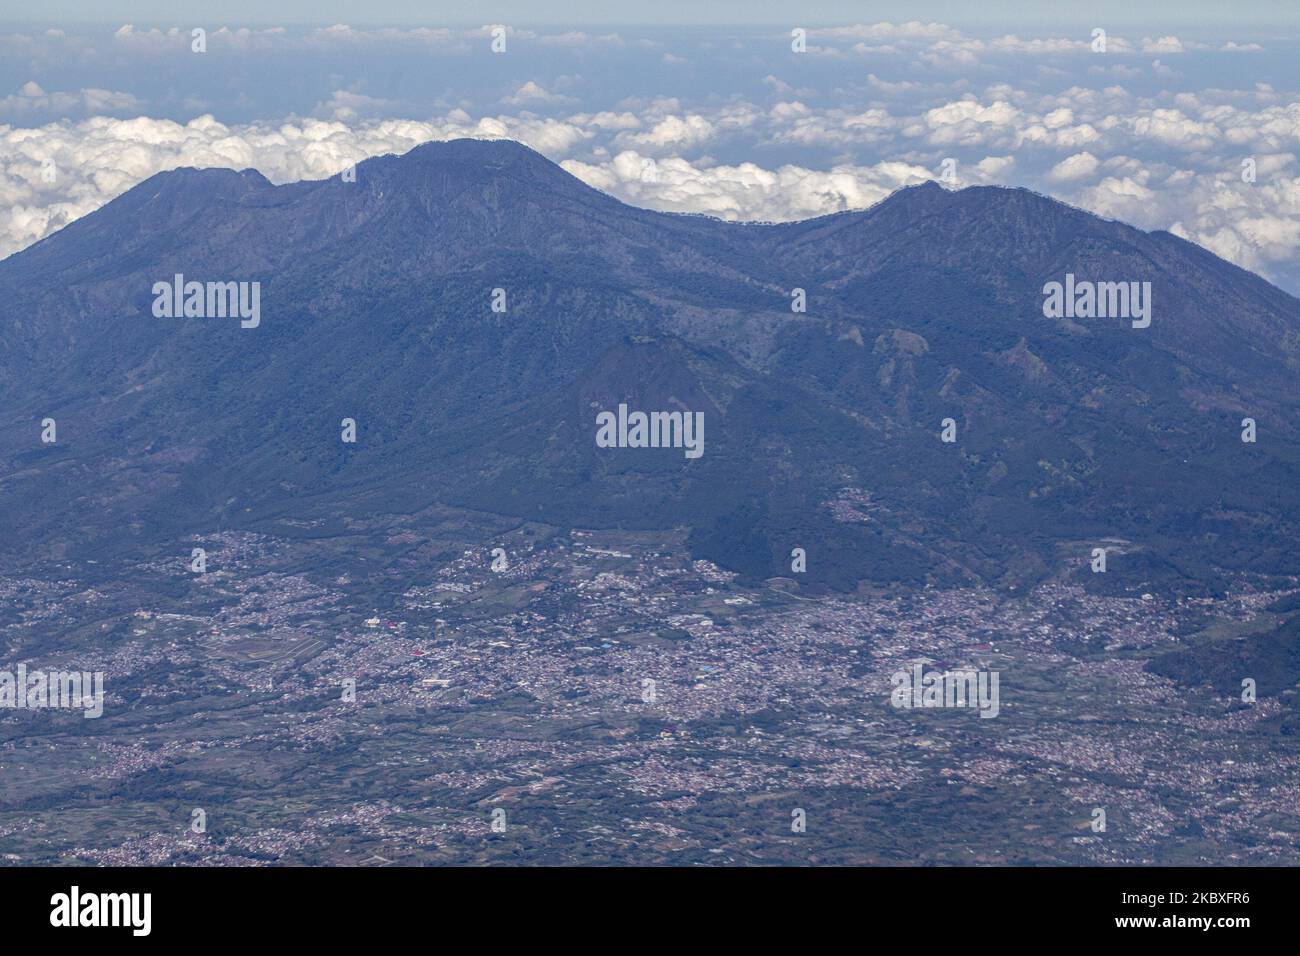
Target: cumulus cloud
[(54, 174), (1079, 166), (1163, 45), (97, 159), (793, 122), (341, 36), (673, 132), (941, 46), (636, 153), (1255, 225), (968, 122), (533, 92), (348, 107), (578, 38), (745, 191), (607, 120), (31, 99), (912, 30), (1172, 127)]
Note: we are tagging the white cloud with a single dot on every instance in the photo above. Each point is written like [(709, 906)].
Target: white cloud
[(1079, 166), (533, 93), (578, 38), (100, 158), (1174, 128), (745, 191), (967, 122), (1163, 45), (348, 107), (673, 132), (797, 124), (994, 168), (32, 99), (607, 120), (911, 30), (336, 36)]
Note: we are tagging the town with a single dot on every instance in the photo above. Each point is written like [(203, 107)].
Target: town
[(374, 696)]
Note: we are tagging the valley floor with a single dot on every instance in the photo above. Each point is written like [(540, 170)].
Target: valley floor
[(385, 696)]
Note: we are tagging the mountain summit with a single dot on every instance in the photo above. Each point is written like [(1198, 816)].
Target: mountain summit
[(473, 309)]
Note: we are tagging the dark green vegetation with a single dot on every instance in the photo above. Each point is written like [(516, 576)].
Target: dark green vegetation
[(1219, 661), (376, 306)]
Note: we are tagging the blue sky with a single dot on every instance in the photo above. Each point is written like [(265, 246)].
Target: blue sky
[(1156, 129), (999, 14)]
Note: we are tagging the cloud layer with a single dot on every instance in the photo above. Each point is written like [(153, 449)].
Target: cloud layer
[(867, 109)]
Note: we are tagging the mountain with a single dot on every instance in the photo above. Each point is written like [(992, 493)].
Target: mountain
[(822, 428)]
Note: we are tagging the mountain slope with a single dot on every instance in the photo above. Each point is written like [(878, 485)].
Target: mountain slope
[(822, 427)]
